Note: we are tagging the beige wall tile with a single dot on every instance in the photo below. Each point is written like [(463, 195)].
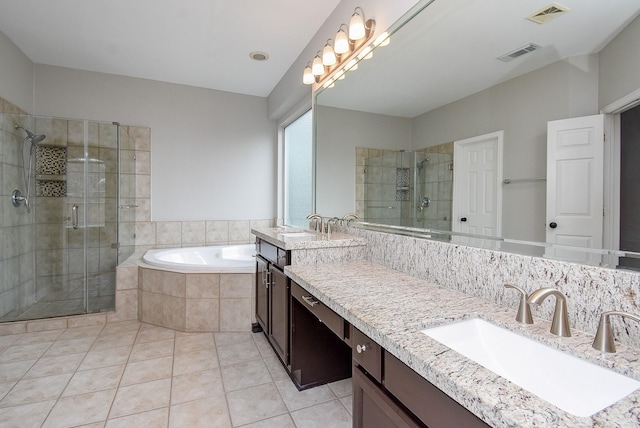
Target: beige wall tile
[(217, 231), (48, 324), (143, 186), (151, 280), (13, 328), (145, 233), (193, 232), (202, 315), (86, 320), (238, 285), (173, 312), (169, 232), (235, 314), (173, 284), (143, 162), (239, 231), (203, 285), (151, 304), (126, 306), (126, 277)]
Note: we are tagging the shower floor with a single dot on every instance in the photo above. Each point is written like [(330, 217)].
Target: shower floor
[(70, 301)]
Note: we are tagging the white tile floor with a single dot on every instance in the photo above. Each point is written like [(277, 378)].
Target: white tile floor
[(131, 374)]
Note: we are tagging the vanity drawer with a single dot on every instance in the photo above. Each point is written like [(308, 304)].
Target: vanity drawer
[(366, 353), (275, 255), (423, 399), (319, 309)]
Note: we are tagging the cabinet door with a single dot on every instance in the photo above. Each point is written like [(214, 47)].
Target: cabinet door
[(279, 313), (262, 294), (372, 408)]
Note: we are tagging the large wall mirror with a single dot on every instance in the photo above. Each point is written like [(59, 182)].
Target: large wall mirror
[(464, 121)]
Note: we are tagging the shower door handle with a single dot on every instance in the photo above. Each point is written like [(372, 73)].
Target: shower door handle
[(74, 216)]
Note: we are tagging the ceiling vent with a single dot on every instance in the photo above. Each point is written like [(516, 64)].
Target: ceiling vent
[(548, 13), (510, 56)]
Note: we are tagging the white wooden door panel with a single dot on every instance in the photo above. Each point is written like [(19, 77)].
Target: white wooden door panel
[(477, 190), (575, 149)]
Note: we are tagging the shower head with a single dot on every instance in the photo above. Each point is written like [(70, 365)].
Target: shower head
[(420, 164), (33, 138)]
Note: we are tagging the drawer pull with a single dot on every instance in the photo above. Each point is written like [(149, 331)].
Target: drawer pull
[(362, 348), (310, 300)]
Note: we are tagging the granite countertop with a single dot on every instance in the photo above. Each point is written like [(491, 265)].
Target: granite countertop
[(391, 308), (291, 238)]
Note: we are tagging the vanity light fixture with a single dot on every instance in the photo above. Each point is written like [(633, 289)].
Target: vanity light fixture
[(308, 78), (328, 55), (341, 45), (356, 25), (317, 67), (347, 41)]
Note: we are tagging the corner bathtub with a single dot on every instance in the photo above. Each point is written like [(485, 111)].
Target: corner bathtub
[(218, 259)]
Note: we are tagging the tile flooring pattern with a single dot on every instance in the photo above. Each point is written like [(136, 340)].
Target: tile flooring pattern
[(131, 374)]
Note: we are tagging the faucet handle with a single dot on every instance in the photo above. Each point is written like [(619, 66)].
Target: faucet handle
[(604, 337), (560, 322), (524, 311)]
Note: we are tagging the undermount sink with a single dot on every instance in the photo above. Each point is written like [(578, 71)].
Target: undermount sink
[(574, 385)]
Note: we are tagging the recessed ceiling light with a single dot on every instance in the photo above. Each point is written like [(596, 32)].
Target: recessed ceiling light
[(259, 56)]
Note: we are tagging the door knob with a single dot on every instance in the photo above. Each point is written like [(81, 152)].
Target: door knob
[(463, 219), (553, 225)]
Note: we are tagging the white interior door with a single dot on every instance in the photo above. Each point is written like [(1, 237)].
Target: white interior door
[(575, 149), (477, 193)]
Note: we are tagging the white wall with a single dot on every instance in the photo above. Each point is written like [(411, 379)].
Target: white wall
[(619, 65), (521, 107), (16, 75), (338, 134), (213, 153)]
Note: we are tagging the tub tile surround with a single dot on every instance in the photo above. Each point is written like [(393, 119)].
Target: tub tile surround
[(196, 302)]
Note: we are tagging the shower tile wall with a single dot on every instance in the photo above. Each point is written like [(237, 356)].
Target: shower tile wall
[(377, 192), (17, 257), (438, 186)]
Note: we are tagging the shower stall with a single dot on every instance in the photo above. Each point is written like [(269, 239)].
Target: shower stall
[(409, 188), (67, 215)]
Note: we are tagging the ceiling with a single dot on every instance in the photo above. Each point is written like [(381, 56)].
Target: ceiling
[(450, 51), (203, 43)]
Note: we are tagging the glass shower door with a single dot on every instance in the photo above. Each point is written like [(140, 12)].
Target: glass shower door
[(63, 258)]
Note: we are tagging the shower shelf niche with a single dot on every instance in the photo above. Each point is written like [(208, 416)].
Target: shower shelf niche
[(51, 170)]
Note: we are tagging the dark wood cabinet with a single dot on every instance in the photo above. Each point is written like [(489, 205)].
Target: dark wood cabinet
[(272, 296), (388, 393), (262, 293), (279, 313), (374, 408)]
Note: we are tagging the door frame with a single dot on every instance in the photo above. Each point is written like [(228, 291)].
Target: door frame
[(612, 149), (499, 136)]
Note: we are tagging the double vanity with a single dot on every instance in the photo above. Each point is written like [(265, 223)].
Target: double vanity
[(412, 347)]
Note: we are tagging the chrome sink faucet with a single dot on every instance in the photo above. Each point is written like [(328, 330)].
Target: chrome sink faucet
[(560, 322), (317, 218), (348, 218), (604, 337), (524, 311)]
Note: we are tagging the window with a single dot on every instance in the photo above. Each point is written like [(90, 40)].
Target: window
[(298, 171)]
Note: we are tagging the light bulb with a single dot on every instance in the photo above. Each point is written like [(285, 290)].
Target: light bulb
[(317, 68), (383, 39), (356, 27), (328, 56), (307, 76), (341, 44)]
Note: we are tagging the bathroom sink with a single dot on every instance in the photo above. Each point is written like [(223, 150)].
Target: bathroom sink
[(574, 385)]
